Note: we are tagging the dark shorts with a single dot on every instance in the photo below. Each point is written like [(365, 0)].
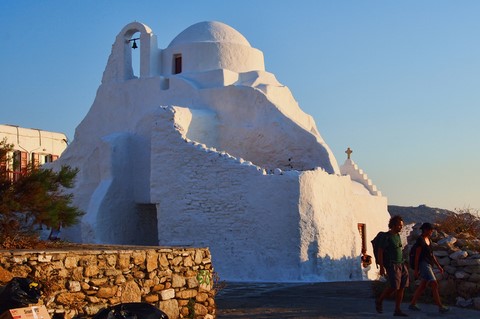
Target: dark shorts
[(398, 275), (426, 271)]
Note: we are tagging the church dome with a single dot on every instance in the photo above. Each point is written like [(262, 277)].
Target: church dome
[(209, 31)]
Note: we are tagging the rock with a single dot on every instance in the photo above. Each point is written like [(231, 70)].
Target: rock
[(69, 298), (468, 262), (92, 310), (177, 260), (472, 269), (462, 302), (164, 261), (200, 310), (186, 294), (124, 261), (107, 292), (467, 289), (444, 261), (450, 269), (461, 274), (5, 275), (131, 292), (98, 281), (21, 271), (152, 260), (201, 297), (440, 253), (458, 255), (187, 261), (138, 257), (475, 277), (44, 258), (192, 282), (91, 271), (476, 303), (170, 307), (151, 298), (447, 240), (167, 294), (120, 279), (178, 281), (111, 260), (74, 286)]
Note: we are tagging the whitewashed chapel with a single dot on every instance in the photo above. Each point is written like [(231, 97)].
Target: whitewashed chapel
[(206, 148)]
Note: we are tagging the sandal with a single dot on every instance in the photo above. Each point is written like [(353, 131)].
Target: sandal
[(414, 307)]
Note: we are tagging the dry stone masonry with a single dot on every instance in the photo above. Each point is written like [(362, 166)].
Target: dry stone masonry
[(460, 257), (179, 281)]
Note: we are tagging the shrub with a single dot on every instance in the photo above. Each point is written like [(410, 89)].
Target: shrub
[(464, 221)]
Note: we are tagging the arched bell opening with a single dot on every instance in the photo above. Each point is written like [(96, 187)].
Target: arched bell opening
[(134, 54), (135, 49)]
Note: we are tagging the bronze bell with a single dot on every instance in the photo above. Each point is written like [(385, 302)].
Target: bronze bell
[(134, 45)]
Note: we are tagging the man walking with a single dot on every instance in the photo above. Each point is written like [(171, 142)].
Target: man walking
[(392, 263)]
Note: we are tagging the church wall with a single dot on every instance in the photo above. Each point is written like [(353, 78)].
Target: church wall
[(330, 213), (245, 217)]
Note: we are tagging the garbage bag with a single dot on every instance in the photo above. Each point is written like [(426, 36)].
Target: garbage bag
[(18, 293), (131, 310)]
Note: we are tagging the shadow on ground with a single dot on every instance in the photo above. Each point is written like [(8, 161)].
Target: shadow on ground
[(313, 300)]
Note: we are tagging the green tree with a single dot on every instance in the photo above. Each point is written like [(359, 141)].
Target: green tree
[(36, 197)]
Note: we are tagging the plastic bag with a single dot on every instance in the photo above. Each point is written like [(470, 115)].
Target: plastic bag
[(18, 293), (132, 310)]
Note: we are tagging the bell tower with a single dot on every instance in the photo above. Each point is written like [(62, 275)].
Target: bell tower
[(119, 66)]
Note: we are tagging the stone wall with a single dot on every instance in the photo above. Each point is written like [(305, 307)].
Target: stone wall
[(460, 258), (179, 281)]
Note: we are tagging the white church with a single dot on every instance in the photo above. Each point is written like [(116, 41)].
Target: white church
[(206, 148)]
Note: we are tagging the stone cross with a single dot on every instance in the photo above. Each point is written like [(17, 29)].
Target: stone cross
[(348, 151)]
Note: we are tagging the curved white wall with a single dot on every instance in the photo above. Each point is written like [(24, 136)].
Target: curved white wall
[(206, 56)]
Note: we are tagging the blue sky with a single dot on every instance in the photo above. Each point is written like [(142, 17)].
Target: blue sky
[(397, 81)]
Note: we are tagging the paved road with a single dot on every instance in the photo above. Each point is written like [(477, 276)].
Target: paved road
[(318, 300)]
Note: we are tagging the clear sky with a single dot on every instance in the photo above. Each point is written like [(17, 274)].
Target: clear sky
[(397, 81)]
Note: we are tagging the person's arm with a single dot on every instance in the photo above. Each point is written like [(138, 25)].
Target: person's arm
[(418, 253), (380, 261), (437, 263)]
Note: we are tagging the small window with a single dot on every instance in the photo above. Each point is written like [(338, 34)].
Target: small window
[(362, 229), (177, 63)]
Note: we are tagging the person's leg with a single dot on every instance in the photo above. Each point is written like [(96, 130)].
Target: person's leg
[(378, 302), (386, 293), (398, 299), (418, 292), (436, 295)]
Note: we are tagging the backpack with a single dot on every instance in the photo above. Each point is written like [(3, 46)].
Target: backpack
[(375, 243), (411, 255)]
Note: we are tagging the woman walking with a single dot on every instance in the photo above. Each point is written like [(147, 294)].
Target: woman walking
[(424, 260)]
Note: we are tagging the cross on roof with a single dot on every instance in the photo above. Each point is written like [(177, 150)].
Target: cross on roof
[(348, 151)]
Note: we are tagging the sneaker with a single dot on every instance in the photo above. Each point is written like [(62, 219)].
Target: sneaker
[(443, 309), (414, 307), (399, 314)]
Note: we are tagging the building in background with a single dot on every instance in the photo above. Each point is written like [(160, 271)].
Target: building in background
[(30, 147)]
